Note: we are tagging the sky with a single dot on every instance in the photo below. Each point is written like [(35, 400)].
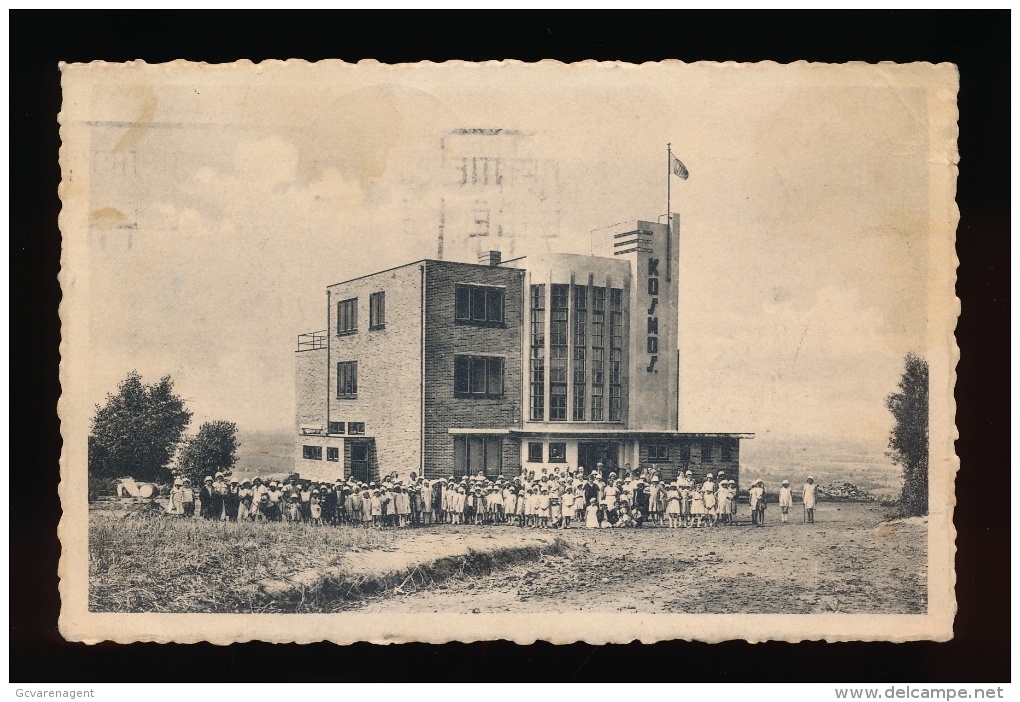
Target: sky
[(224, 200)]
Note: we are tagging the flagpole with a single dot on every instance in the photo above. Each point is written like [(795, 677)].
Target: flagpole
[(669, 212)]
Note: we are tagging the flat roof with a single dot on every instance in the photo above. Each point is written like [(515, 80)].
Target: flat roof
[(426, 260), (610, 433)]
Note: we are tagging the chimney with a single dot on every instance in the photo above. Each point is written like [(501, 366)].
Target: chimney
[(490, 258)]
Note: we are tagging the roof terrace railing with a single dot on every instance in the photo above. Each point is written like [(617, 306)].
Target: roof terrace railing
[(311, 341)]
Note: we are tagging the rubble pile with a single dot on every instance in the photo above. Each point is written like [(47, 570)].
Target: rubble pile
[(844, 492)]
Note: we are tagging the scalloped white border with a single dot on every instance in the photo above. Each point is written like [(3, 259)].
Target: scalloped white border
[(76, 623)]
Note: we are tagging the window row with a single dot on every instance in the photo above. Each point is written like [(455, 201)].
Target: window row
[(557, 452), (479, 304), (347, 314), (352, 428), (478, 376), (703, 453), (314, 453)]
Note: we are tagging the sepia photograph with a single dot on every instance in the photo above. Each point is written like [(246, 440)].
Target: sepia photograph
[(475, 351)]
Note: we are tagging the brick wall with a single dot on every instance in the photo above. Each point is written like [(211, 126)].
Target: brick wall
[(389, 367), (445, 339)]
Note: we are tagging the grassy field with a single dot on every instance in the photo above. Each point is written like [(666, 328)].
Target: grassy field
[(160, 564)]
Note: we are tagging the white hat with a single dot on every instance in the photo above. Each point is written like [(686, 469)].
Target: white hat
[(178, 481)]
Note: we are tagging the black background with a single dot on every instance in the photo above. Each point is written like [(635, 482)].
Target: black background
[(978, 42)]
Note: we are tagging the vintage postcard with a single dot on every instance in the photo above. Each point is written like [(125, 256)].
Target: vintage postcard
[(454, 352)]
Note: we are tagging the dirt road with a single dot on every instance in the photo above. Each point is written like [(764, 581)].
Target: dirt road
[(842, 563)]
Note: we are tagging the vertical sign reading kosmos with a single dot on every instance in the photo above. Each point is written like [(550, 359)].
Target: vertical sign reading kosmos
[(653, 361), (653, 319)]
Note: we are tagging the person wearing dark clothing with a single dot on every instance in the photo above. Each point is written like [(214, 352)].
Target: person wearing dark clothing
[(592, 491), (207, 496), (329, 505), (232, 501), (641, 504)]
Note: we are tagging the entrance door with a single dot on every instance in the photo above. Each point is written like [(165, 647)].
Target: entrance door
[(591, 453), (359, 460)]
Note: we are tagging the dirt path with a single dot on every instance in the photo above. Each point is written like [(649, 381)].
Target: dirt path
[(842, 563)]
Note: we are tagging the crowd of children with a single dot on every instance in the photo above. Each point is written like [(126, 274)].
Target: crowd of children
[(541, 501)]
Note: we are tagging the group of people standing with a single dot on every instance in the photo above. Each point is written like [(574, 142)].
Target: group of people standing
[(539, 500)]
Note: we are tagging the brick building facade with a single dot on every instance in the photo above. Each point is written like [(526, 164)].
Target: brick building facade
[(444, 368)]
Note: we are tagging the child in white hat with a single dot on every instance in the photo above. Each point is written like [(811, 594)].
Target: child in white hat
[(785, 501)]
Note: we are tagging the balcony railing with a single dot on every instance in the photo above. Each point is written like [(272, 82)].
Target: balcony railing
[(311, 341)]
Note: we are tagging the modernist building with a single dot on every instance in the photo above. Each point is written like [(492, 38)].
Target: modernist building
[(444, 368)]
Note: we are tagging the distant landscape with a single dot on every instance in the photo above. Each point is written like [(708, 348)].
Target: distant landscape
[(835, 460), (770, 459)]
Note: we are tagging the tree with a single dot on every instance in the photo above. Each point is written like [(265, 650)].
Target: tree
[(136, 433), (212, 449), (908, 440)]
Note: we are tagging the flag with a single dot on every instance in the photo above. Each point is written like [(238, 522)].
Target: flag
[(679, 168)]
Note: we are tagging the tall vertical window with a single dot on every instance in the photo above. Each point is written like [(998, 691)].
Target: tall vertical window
[(598, 352), (558, 353), (377, 310), (347, 379), (615, 354), (347, 316), (479, 304), (580, 342), (537, 360)]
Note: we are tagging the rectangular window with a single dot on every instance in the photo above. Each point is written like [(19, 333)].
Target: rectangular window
[(579, 369), (616, 300), (580, 297), (534, 452), (579, 404), (706, 453), (347, 379), (727, 452), (336, 427), (658, 452), (537, 402), (332, 453), (598, 373), (477, 376), (474, 454), (538, 315), (355, 427), (377, 310), (478, 304), (557, 452), (537, 372), (311, 453), (558, 402), (615, 403), (596, 403), (347, 316)]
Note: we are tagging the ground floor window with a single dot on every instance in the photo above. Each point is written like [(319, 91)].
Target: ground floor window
[(312, 453), (473, 453), (535, 452), (332, 453), (658, 452), (557, 452)]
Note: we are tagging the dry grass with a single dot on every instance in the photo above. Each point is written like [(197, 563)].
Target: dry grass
[(160, 564)]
